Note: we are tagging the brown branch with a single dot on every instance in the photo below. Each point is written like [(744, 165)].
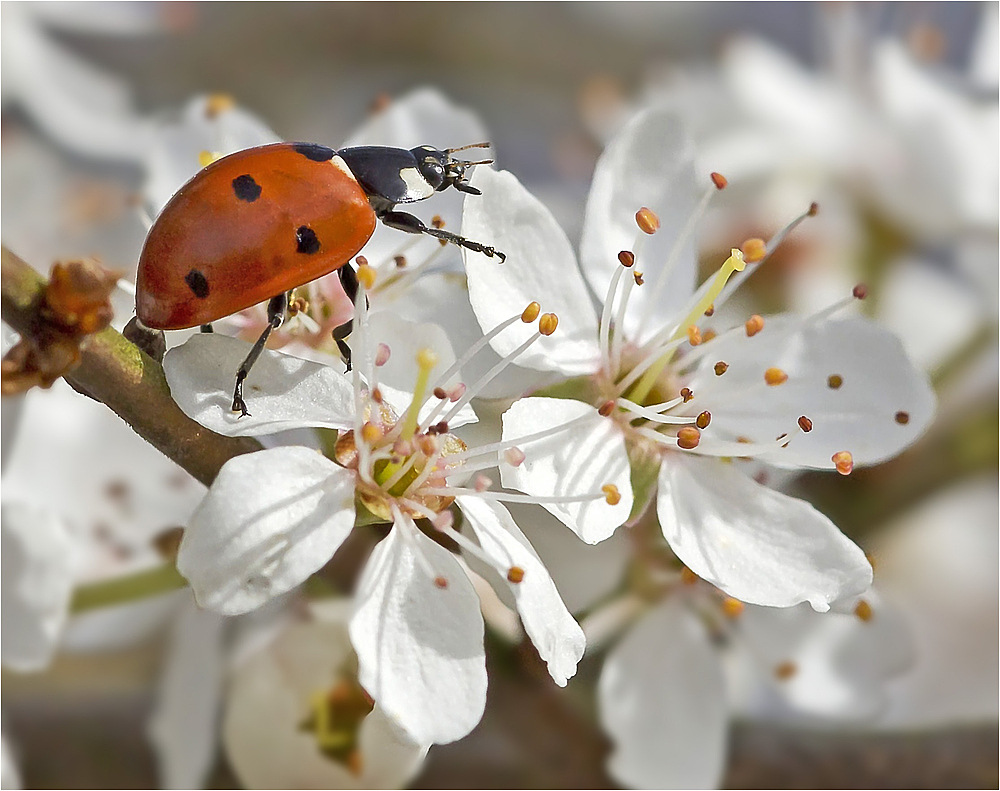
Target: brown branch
[(117, 373)]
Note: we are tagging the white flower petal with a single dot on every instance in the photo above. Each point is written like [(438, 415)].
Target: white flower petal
[(577, 461), (584, 574), (558, 638), (184, 724), (270, 520), (270, 698), (540, 267), (933, 313), (39, 561), (649, 163), (859, 416), (756, 544), (841, 664), (937, 562), (10, 774), (281, 392), (662, 700), (420, 647)]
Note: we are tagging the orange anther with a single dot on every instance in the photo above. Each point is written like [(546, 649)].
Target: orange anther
[(754, 325), (688, 438), (647, 220), (754, 250), (844, 462), (775, 376)]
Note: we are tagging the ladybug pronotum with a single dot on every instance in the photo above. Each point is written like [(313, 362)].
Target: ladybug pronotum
[(258, 223)]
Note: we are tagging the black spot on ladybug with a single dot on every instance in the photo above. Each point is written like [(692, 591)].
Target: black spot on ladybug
[(306, 240), (246, 188), (197, 283), (314, 151)]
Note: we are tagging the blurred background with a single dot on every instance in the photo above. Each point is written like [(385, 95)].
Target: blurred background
[(884, 113)]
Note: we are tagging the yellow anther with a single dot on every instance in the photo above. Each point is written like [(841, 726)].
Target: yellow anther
[(708, 335), (531, 312), (688, 577), (843, 461), (775, 376), (637, 276), (863, 610), (785, 671), (515, 574), (688, 438), (647, 220), (694, 335), (371, 433), (367, 276), (206, 158), (218, 103), (719, 181), (547, 323), (703, 420), (399, 261), (754, 325), (626, 258), (732, 608), (721, 367), (902, 418), (687, 394), (805, 424), (606, 408), (710, 310), (441, 582), (361, 261), (754, 250), (834, 381), (611, 494)]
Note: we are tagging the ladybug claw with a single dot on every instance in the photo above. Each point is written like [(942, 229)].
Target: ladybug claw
[(241, 407)]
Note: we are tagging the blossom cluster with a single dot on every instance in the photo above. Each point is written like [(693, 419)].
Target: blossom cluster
[(639, 408)]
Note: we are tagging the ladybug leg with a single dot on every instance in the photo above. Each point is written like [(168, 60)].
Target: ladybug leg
[(349, 280), (275, 316), (402, 221), (206, 328)]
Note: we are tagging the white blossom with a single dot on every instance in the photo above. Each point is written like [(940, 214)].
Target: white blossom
[(273, 518), (818, 391)]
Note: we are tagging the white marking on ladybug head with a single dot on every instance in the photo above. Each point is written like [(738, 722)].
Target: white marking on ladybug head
[(417, 187), (341, 165)]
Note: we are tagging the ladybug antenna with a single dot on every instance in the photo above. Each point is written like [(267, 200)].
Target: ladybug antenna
[(465, 148), (479, 162)]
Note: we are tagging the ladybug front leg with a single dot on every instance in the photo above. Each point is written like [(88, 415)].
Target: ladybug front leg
[(275, 316), (349, 281), (402, 221)]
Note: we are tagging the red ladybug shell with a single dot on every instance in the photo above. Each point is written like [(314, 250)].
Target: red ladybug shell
[(245, 229)]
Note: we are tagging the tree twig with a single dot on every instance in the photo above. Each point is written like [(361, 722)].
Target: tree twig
[(116, 372)]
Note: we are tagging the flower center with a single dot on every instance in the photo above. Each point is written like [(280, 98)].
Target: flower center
[(334, 718), (645, 385)]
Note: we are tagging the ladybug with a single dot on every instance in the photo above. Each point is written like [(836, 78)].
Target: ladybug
[(258, 223)]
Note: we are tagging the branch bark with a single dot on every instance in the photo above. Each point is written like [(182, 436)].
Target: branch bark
[(131, 383)]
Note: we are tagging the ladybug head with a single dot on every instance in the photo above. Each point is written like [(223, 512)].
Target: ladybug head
[(441, 171)]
